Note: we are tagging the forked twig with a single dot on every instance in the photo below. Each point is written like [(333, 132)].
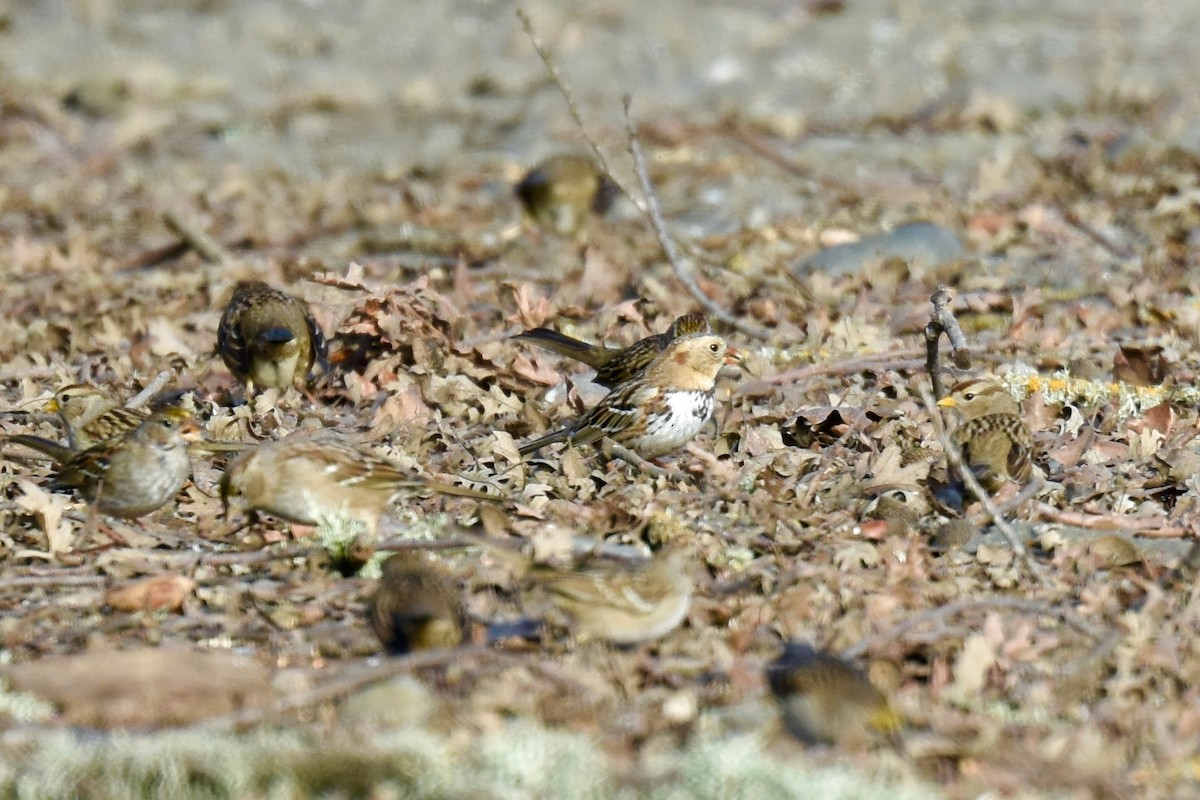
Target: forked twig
[(941, 320)]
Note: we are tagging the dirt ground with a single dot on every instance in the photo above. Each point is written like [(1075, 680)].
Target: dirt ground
[(362, 155)]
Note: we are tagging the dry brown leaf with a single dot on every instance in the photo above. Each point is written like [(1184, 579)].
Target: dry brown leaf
[(48, 508), (155, 593)]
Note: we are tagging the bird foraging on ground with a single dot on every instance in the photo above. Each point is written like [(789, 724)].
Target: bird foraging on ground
[(307, 478), (268, 338), (559, 192), (995, 441), (658, 411), (416, 606), (622, 603), (129, 475), (615, 365), (92, 415), (825, 700)]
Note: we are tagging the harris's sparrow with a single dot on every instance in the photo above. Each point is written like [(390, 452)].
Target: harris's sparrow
[(305, 478), (416, 606), (825, 700), (995, 440), (268, 338), (559, 192), (659, 411), (616, 365), (132, 474)]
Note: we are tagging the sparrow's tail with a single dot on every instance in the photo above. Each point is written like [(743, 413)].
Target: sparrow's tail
[(60, 453), (590, 354), (550, 438)]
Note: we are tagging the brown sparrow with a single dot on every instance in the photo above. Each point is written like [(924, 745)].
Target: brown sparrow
[(619, 602), (659, 411), (615, 365), (560, 191), (92, 415), (129, 475), (305, 478), (416, 606), (825, 700), (267, 338), (995, 440)]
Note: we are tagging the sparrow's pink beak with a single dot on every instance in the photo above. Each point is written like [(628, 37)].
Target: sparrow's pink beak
[(733, 355)]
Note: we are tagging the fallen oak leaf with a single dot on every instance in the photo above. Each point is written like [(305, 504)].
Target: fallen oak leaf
[(155, 593)]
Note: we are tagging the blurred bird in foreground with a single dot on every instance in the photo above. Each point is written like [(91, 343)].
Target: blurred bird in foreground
[(305, 478), (129, 475), (416, 606), (825, 700), (559, 192), (267, 338), (610, 599), (995, 440), (615, 365), (658, 411), (622, 603)]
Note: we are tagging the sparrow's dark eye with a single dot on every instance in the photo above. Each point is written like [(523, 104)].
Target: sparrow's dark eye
[(714, 347), (969, 396), (62, 400)]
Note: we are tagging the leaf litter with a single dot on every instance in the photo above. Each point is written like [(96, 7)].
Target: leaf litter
[(808, 509)]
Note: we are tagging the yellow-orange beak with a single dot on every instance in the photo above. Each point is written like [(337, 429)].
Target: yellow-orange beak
[(947, 402)]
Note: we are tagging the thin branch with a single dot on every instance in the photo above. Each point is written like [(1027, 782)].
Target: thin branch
[(1028, 492), (32, 581), (941, 320), (208, 248), (1151, 527), (942, 613), (154, 387), (1088, 230), (557, 79), (668, 244), (898, 361), (955, 460)]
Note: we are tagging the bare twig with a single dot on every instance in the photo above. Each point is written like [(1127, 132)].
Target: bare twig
[(557, 79), (955, 459), (654, 209), (942, 613), (941, 320), (1088, 230), (896, 361), (1151, 527), (1020, 498), (32, 581), (154, 387), (208, 248)]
